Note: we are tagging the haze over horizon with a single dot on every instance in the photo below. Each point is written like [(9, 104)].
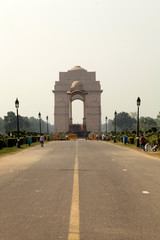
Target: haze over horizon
[(119, 40)]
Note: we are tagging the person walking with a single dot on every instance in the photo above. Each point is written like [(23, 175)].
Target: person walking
[(42, 140), (29, 141), (143, 142)]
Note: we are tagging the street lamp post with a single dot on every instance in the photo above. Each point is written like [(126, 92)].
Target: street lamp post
[(138, 104), (106, 125), (17, 106), (115, 118), (47, 126), (39, 115)]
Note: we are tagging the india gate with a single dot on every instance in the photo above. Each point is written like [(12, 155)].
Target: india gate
[(77, 83)]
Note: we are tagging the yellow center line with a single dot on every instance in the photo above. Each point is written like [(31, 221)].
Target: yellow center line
[(74, 232)]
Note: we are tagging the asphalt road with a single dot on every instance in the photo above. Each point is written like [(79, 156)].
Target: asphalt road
[(79, 190)]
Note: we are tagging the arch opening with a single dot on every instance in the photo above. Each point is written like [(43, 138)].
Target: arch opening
[(77, 111)]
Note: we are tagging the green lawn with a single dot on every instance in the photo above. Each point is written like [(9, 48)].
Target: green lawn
[(8, 150), (134, 147)]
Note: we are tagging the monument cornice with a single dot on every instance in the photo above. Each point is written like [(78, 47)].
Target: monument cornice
[(64, 91), (59, 91)]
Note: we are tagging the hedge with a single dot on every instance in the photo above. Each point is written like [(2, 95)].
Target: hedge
[(2, 144), (11, 142), (131, 140), (35, 139)]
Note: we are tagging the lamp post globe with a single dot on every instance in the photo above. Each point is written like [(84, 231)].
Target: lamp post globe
[(17, 103), (17, 106), (138, 104), (138, 101)]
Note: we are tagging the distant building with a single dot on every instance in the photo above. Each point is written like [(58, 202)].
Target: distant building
[(75, 84)]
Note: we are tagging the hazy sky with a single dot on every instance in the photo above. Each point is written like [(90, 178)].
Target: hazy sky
[(119, 39)]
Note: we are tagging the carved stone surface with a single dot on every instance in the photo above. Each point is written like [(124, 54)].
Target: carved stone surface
[(77, 83)]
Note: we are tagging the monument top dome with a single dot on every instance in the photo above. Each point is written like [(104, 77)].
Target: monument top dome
[(76, 68), (77, 86)]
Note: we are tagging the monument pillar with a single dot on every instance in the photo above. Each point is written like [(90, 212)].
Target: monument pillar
[(84, 113), (70, 111)]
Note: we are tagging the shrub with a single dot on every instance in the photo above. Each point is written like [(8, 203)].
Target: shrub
[(23, 140), (120, 138), (35, 139), (131, 140), (152, 142), (133, 132), (149, 134), (2, 144), (10, 142)]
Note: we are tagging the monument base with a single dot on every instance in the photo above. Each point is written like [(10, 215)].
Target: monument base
[(79, 129)]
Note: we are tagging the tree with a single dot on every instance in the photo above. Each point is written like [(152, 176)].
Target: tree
[(133, 115), (25, 124), (10, 121), (147, 123), (110, 125), (154, 129), (2, 131), (125, 122), (158, 121), (158, 116)]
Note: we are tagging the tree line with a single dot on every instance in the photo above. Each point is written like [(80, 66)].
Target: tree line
[(128, 122), (124, 122), (9, 124)]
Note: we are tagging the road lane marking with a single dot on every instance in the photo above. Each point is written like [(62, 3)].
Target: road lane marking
[(145, 192), (124, 169), (37, 191), (74, 232)]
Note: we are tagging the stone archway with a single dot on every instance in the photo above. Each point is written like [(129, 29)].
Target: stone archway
[(77, 92), (77, 83)]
